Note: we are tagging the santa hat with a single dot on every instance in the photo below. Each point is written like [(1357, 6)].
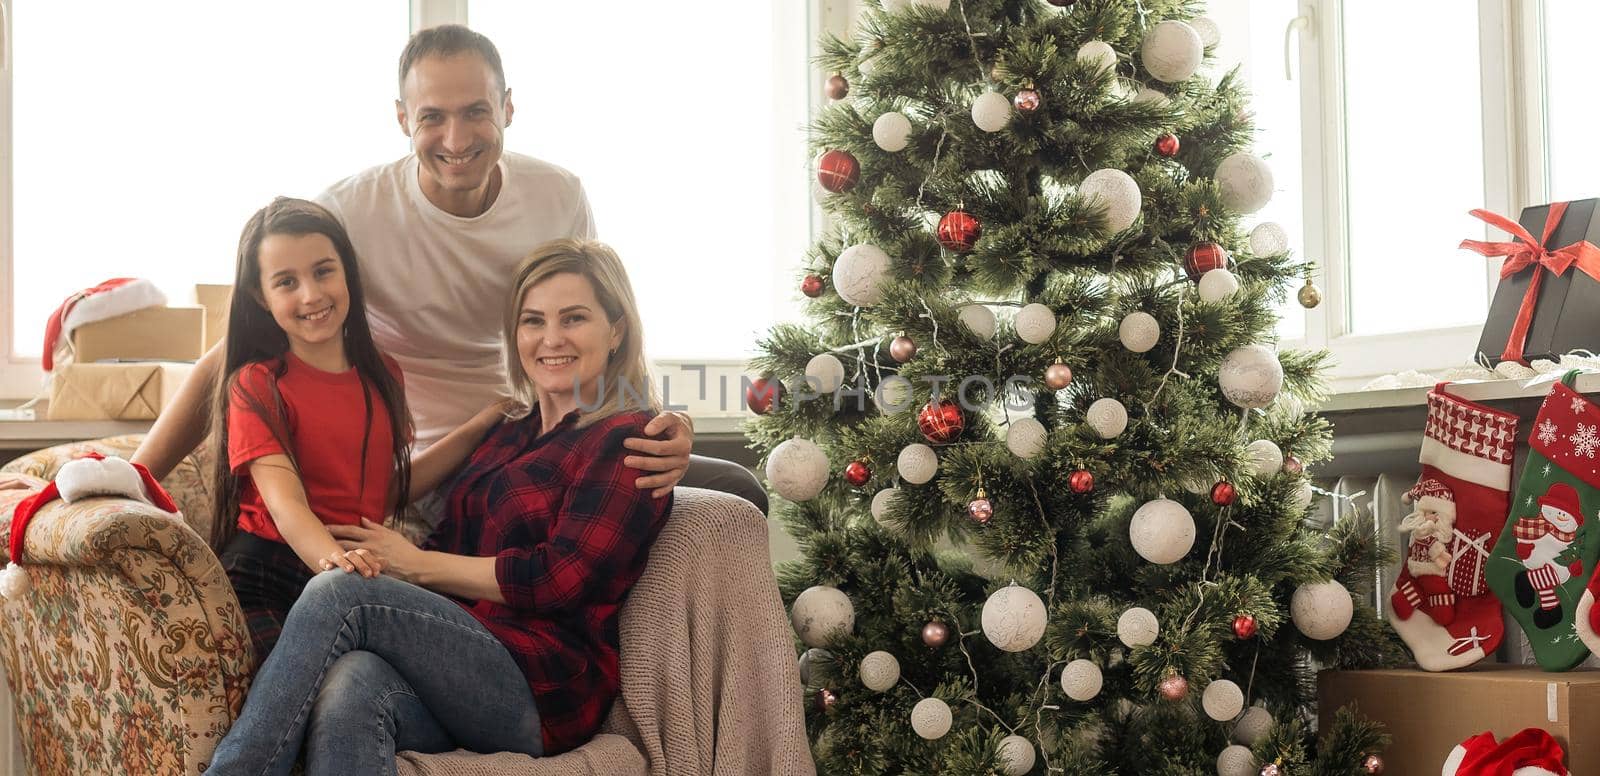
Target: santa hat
[(1531, 752), (1433, 495), (1563, 497), (91, 475), (117, 296)]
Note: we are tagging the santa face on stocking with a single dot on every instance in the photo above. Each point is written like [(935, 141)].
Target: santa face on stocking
[(1545, 545)]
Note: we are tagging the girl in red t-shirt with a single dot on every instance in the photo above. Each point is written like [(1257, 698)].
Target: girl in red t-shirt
[(310, 418)]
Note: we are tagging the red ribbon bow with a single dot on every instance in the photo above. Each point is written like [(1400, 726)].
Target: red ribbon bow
[(1528, 252)]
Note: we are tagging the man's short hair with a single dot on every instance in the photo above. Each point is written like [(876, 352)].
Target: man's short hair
[(447, 40)]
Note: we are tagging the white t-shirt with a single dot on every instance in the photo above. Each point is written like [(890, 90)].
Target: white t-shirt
[(437, 284)]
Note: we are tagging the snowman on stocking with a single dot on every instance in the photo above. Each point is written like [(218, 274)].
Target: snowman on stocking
[(1432, 528), (1547, 545)]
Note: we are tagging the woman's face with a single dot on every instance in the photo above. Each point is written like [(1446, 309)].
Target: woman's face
[(303, 286), (563, 337)]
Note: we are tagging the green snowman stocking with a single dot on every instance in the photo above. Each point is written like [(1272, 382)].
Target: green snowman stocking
[(1546, 553)]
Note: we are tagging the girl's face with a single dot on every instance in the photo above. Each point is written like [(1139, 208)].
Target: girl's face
[(563, 337), (303, 286)]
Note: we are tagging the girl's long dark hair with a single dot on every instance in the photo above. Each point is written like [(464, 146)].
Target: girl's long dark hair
[(253, 336)]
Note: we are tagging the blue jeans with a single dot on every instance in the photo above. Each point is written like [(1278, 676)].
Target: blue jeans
[(368, 666)]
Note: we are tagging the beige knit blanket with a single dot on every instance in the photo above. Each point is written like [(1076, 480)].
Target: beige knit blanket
[(709, 682)]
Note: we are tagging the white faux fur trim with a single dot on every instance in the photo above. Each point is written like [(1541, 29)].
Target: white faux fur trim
[(1453, 762), (124, 299), (87, 477), (1534, 770)]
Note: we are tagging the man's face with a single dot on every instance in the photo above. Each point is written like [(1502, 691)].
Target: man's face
[(456, 116)]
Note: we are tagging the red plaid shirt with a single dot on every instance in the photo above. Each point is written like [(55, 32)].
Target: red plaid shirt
[(572, 534)]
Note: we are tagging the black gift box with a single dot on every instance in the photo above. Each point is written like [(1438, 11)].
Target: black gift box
[(1566, 316)]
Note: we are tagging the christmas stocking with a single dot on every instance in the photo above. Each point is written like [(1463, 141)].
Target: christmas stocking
[(1440, 604), (1546, 552)]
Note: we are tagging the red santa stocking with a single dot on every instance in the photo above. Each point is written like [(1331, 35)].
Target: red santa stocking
[(1440, 604)]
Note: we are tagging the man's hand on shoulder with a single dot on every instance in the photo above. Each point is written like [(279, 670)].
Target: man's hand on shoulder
[(668, 456)]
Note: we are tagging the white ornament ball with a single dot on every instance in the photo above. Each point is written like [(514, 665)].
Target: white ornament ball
[(1246, 182), (1266, 455), (1035, 323), (1210, 34), (1081, 680), (1162, 531), (1222, 700), (1237, 761), (858, 276), (881, 502), (931, 718), (1139, 331), (810, 658), (868, 66), (797, 469), (1098, 54), (1253, 727), (893, 395), (1117, 192), (1251, 376), (1025, 438), (1172, 51), (892, 132), (1014, 618), (1148, 96), (1218, 284), (895, 6), (1016, 755), (1321, 610), (819, 612), (937, 5), (879, 671), (979, 319), (1269, 239), (1107, 417), (917, 463), (824, 373), (1138, 627), (1302, 497), (991, 111)]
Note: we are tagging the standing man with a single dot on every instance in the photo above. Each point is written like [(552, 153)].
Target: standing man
[(438, 234)]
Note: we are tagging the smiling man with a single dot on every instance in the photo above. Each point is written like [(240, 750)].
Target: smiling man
[(439, 233)]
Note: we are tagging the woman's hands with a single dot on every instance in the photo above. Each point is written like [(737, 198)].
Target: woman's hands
[(399, 558), (358, 561), (667, 460)]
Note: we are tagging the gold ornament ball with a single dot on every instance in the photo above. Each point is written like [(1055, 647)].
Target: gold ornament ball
[(1310, 296), (1373, 764), (836, 87), (1174, 688), (935, 634), (1057, 376)]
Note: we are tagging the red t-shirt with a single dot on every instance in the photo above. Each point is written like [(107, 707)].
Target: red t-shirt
[(326, 417)]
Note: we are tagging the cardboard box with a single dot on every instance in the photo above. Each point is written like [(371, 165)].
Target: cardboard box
[(215, 299), (1430, 713), (114, 391), (152, 334), (1566, 315)]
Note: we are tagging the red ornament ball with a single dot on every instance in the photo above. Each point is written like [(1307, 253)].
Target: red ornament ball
[(940, 421), (1167, 145), (1027, 101), (1057, 376), (1223, 494), (1081, 481), (1373, 764), (823, 700), (1244, 627), (1292, 465), (935, 634), (1174, 688), (761, 394), (1202, 257), (811, 286), (838, 170), (856, 473), (980, 509), (902, 349), (959, 231), (836, 87)]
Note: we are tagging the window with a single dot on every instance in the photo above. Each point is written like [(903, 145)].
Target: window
[(1572, 166)]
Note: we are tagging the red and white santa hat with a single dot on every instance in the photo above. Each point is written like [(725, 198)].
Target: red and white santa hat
[(1432, 495), (1563, 497), (117, 296), (1532, 752)]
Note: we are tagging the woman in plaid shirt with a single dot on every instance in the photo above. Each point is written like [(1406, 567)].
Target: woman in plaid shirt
[(544, 535)]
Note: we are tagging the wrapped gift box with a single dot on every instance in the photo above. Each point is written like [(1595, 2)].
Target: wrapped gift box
[(1565, 307), (135, 391), (151, 334), (1428, 713), (216, 300)]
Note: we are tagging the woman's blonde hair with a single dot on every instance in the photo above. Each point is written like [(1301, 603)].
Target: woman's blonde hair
[(625, 385)]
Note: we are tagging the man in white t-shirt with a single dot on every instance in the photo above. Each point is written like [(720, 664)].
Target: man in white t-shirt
[(438, 234)]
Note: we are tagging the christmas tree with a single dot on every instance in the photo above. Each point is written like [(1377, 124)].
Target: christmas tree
[(1071, 537)]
